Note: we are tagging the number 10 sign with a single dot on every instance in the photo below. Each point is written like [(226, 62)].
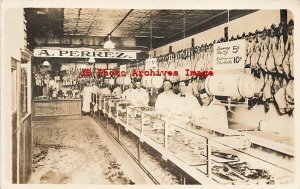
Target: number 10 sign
[(229, 55)]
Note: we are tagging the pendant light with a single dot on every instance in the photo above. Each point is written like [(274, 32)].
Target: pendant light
[(46, 63), (109, 44)]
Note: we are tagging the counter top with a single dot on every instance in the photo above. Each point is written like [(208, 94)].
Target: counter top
[(53, 100)]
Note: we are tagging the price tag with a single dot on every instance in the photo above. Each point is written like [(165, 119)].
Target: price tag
[(229, 55)]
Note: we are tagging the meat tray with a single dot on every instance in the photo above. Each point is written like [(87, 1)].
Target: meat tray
[(224, 175), (222, 157), (254, 175)]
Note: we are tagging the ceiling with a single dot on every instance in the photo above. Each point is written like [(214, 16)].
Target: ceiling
[(130, 29)]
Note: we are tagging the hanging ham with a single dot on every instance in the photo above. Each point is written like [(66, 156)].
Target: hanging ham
[(259, 84), (281, 100), (255, 57), (263, 57), (290, 52), (277, 84), (267, 91), (289, 92), (286, 66)]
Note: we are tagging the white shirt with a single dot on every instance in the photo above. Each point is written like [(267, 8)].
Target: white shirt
[(185, 106), (95, 89), (105, 91), (165, 101), (140, 97), (212, 116), (117, 92), (128, 94)]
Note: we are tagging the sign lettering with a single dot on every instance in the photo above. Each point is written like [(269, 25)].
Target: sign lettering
[(83, 53), (229, 55)]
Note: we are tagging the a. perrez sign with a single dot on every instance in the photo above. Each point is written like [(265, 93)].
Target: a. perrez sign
[(229, 55), (83, 53)]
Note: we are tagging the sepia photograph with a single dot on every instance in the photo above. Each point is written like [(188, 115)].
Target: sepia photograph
[(137, 95)]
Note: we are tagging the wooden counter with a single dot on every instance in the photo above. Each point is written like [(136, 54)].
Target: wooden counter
[(60, 107)]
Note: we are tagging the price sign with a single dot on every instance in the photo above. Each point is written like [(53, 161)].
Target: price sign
[(229, 55)]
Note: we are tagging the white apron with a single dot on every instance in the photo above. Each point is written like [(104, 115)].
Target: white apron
[(86, 93)]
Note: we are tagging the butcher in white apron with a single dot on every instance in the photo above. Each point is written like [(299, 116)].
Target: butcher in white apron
[(165, 100), (210, 115), (140, 96), (128, 94), (184, 104), (87, 98), (117, 92)]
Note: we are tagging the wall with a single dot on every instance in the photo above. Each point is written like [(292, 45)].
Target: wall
[(244, 24), (13, 40), (249, 23)]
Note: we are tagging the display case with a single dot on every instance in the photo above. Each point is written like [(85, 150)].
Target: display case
[(101, 102), (107, 104), (137, 115), (122, 111), (201, 154), (251, 165)]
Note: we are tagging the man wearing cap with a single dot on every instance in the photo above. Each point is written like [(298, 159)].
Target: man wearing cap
[(210, 115), (166, 99), (128, 93), (140, 96)]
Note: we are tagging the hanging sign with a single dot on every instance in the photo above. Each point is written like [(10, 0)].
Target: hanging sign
[(229, 55), (83, 53)]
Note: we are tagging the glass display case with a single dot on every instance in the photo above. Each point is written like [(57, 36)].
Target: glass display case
[(108, 104), (251, 165), (122, 111), (135, 115), (101, 102), (206, 156)]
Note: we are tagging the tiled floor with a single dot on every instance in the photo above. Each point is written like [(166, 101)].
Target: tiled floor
[(79, 151)]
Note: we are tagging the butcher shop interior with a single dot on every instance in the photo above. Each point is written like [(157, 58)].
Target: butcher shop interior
[(149, 96)]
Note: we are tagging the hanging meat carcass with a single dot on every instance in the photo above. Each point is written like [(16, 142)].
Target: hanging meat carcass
[(277, 84), (289, 92), (198, 60), (278, 56), (270, 63), (267, 91), (210, 57), (290, 47), (249, 49), (263, 56), (286, 66), (280, 99), (255, 56), (259, 84)]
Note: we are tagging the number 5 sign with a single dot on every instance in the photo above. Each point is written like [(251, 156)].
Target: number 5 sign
[(229, 55)]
